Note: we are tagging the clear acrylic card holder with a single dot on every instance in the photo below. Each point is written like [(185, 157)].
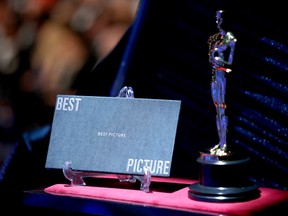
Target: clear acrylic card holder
[(76, 177)]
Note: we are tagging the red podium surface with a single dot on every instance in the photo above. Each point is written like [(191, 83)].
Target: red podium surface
[(167, 195)]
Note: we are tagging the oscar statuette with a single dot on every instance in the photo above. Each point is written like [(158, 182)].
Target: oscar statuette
[(223, 173)]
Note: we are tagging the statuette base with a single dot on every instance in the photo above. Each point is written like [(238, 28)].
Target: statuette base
[(223, 179)]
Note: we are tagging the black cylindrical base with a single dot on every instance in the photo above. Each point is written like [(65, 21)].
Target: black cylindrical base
[(223, 179)]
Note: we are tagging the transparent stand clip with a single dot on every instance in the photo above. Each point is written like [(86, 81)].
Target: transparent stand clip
[(76, 177)]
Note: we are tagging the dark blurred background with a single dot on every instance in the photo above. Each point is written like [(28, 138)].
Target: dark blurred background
[(162, 53)]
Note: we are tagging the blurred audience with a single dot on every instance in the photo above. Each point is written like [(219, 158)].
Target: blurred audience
[(46, 46)]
